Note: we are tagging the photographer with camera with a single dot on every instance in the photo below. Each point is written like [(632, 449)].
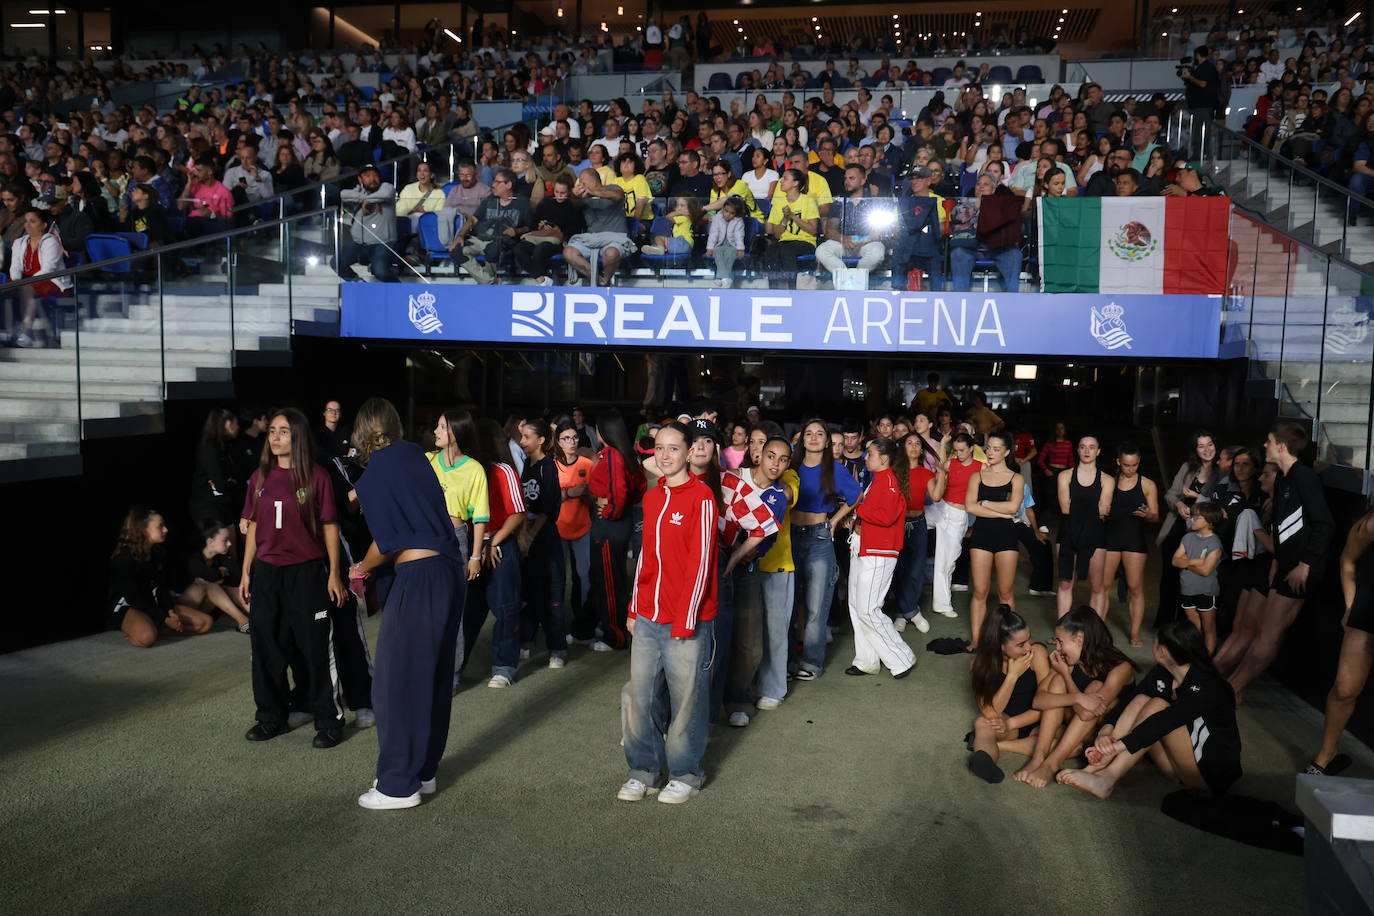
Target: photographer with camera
[(1202, 91)]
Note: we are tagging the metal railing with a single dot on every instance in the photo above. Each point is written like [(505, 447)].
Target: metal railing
[(1279, 183)]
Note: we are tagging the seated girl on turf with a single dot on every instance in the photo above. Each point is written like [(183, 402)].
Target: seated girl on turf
[(142, 605), (209, 569), (1091, 677), (1183, 716), (1008, 670)]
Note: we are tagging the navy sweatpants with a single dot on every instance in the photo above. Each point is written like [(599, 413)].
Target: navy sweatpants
[(412, 685)]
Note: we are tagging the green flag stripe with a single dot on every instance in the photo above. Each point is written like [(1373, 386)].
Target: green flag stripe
[(1070, 244)]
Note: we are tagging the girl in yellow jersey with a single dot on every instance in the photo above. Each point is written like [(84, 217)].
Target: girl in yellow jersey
[(464, 482)]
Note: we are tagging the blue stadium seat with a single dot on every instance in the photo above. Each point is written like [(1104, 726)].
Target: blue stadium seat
[(839, 82), (968, 179), (657, 262), (940, 75), (449, 187), (367, 92), (432, 249), (870, 82), (1029, 73), (102, 247), (999, 74), (719, 82)]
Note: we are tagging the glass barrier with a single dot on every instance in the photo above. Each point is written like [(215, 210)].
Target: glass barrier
[(104, 344), (1304, 292), (1347, 369)]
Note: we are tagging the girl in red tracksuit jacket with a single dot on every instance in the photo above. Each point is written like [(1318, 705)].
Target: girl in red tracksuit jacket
[(873, 550), (672, 617), (617, 483)]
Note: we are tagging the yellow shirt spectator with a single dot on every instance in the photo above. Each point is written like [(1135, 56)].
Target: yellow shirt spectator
[(803, 209), (411, 196), (779, 558), (682, 228), (636, 193), (741, 190), (817, 188), (465, 487)]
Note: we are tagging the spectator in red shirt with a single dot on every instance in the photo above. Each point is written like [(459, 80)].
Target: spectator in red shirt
[(206, 203), (873, 550)]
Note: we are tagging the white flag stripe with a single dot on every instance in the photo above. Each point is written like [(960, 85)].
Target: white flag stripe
[(1131, 259)]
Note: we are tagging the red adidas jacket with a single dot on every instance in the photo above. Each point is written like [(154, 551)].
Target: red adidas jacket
[(621, 485), (882, 509), (676, 579)]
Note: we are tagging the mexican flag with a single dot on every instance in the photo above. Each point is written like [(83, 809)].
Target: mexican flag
[(1134, 244)]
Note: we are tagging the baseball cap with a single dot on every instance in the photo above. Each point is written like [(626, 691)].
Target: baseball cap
[(919, 171), (1193, 167), (370, 167), (54, 194), (707, 429)]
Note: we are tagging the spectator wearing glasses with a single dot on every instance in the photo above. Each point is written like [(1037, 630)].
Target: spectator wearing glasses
[(496, 227), (1103, 183), (853, 229)]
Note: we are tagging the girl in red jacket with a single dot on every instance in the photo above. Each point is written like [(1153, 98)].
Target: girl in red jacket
[(672, 617), (873, 549), (617, 483)]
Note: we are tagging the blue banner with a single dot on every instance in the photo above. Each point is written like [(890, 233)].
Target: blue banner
[(984, 324)]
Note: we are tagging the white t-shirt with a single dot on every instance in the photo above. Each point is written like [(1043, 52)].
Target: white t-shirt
[(759, 186), (404, 138)]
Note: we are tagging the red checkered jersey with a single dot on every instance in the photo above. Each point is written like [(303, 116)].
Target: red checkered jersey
[(744, 511)]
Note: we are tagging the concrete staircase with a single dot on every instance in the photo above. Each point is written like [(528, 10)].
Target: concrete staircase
[(1303, 324), (124, 350)]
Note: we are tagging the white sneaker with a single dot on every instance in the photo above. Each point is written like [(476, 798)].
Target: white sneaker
[(376, 801), (652, 249), (576, 279), (1039, 594), (958, 588), (920, 622), (297, 719), (676, 792), (721, 283), (429, 786), (599, 646), (524, 654), (543, 281), (364, 718), (739, 719), (557, 662), (498, 680), (899, 623), (947, 613), (23, 340), (768, 703), (634, 790), (570, 639)]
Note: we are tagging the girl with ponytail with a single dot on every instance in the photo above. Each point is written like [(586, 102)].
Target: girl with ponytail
[(1007, 671), (874, 547)]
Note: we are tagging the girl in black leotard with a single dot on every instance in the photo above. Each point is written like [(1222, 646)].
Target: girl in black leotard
[(1007, 672), (1135, 501), (1085, 498), (1184, 716), (993, 496), (1091, 678)]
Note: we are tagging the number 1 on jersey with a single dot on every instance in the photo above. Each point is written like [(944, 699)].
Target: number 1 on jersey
[(277, 503)]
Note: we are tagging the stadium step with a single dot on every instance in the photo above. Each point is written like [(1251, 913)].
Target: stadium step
[(137, 347)]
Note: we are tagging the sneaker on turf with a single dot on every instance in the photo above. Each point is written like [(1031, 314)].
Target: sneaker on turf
[(676, 792), (920, 622), (951, 612), (364, 718), (739, 719), (599, 646), (900, 624), (376, 801), (498, 680), (956, 587), (634, 790), (1038, 593), (524, 654), (805, 674), (768, 703), (557, 662)]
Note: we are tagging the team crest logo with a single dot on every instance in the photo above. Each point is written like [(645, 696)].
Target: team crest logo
[(1133, 242), (423, 314), (1346, 330), (531, 315), (1108, 329)]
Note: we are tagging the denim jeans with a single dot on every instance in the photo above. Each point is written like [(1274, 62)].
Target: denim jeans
[(380, 261), (763, 617), (498, 591), (1008, 262), (904, 258), (910, 577), (813, 553), (683, 667)]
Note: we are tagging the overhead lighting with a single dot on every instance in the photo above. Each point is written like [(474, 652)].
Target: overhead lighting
[(620, 11), (604, 27), (1024, 373), (735, 22), (560, 12), (894, 15), (1352, 19), (28, 25), (450, 34), (47, 12)]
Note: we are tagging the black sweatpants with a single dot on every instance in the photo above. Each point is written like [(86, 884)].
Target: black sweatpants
[(1041, 558), (290, 607), (609, 599), (350, 651)]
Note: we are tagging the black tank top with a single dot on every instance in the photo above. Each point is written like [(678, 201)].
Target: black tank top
[(1125, 502), (1022, 694), (988, 493)]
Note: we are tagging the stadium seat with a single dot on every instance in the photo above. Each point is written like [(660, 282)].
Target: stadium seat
[(839, 82), (719, 82), (739, 79), (1029, 73), (659, 262), (449, 187), (102, 247), (940, 75), (998, 74), (967, 180), (433, 250)]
